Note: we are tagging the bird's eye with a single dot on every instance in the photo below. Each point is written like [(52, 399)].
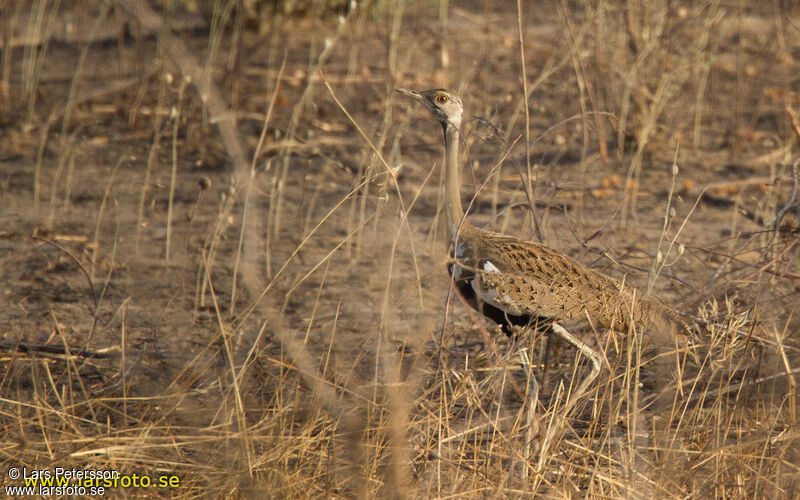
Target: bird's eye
[(441, 98)]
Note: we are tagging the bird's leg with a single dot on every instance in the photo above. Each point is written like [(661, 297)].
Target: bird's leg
[(587, 351), (533, 401), (544, 359), (533, 384)]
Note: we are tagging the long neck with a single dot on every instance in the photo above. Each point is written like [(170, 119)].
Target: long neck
[(452, 179)]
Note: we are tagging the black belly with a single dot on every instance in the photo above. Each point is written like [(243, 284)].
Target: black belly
[(505, 320)]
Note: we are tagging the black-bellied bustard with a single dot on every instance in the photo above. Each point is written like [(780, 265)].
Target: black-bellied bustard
[(515, 282)]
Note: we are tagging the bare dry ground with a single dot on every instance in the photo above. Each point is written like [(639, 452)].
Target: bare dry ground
[(222, 254)]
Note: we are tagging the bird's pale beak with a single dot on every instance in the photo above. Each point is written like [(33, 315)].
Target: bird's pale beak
[(417, 96), (410, 93)]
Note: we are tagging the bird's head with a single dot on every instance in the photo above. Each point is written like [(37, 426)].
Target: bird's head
[(445, 106)]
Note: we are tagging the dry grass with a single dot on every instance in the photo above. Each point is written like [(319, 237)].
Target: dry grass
[(223, 259)]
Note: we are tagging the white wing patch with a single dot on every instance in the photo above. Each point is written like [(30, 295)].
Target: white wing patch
[(489, 267), (491, 295)]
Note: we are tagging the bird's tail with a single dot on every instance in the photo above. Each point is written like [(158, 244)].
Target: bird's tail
[(665, 333), (666, 329)]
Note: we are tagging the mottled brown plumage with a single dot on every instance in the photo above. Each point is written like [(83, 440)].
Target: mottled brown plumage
[(533, 280), (517, 282)]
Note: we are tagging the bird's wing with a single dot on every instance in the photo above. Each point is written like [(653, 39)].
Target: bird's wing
[(518, 294), (526, 278)]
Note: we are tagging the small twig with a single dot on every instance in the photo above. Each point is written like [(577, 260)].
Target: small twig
[(766, 267), (75, 259), (775, 222), (793, 119), (60, 352), (495, 130), (738, 386)]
